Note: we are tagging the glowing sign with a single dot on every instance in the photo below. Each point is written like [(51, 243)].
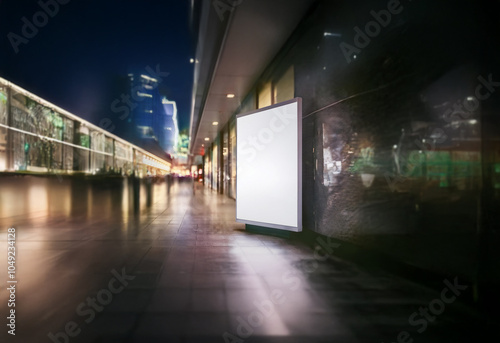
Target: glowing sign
[(269, 166)]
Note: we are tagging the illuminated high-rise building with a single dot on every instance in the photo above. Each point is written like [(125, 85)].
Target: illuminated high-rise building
[(149, 113), (171, 126)]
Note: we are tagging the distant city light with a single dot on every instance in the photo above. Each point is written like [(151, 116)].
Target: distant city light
[(149, 78), (330, 34), (144, 95)]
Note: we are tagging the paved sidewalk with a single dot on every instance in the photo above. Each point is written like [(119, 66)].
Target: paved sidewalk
[(185, 271)]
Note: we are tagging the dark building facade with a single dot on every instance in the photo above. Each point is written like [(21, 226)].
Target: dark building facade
[(401, 125)]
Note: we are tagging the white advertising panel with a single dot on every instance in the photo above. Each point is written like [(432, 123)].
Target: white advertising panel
[(269, 166)]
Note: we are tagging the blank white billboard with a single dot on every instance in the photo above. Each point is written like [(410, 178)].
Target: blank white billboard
[(269, 166)]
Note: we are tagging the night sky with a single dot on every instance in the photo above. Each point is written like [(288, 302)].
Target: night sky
[(79, 56)]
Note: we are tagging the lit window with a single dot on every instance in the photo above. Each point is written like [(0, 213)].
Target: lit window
[(144, 95), (265, 95), (149, 78), (284, 89)]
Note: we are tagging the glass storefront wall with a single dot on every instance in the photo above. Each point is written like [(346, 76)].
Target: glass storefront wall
[(124, 158), (108, 149), (232, 158), (36, 136), (82, 156), (207, 169), (400, 149), (69, 137), (36, 142), (225, 178), (98, 143), (215, 165)]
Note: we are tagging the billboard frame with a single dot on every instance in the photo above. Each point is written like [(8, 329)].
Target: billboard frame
[(298, 102)]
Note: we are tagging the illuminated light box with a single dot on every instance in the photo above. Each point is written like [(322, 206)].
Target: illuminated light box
[(269, 166)]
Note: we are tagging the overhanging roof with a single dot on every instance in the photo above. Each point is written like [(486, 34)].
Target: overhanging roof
[(234, 48)]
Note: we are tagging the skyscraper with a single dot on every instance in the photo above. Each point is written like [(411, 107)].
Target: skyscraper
[(171, 126), (149, 115)]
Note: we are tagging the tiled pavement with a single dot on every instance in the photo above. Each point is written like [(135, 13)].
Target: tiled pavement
[(195, 275)]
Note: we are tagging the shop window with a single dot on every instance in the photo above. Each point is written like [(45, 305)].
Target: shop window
[(265, 98), (284, 88), (232, 138)]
